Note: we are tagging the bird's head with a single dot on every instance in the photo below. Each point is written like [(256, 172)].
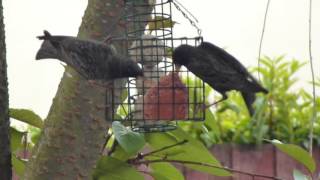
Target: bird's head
[(182, 54), (132, 69), (47, 49), (50, 47)]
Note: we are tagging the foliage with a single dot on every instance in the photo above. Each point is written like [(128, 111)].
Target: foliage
[(114, 169), (192, 151), (17, 137), (283, 114), (160, 22), (298, 154), (130, 141), (18, 165), (27, 116)]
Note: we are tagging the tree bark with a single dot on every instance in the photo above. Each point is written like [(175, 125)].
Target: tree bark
[(74, 131), (5, 152)]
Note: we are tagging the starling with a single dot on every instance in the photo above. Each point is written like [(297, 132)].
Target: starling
[(91, 59), (219, 69)]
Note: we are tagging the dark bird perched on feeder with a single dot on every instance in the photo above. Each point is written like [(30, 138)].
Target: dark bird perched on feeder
[(91, 59), (219, 69)]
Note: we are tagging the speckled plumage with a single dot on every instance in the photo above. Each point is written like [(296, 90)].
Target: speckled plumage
[(92, 59), (219, 69)]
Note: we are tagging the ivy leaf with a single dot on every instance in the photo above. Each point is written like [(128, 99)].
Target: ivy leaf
[(130, 141), (109, 168), (26, 116), (297, 153)]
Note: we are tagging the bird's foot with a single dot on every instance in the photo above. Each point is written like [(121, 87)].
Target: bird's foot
[(204, 106)]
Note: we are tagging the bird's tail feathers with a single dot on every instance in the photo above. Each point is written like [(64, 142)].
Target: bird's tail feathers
[(249, 99), (257, 87)]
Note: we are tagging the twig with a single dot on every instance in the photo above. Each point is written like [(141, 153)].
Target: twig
[(262, 35), (113, 147), (314, 111), (204, 164), (138, 160), (25, 145), (165, 148), (141, 155), (108, 136)]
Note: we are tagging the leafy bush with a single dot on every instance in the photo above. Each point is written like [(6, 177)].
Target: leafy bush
[(283, 114)]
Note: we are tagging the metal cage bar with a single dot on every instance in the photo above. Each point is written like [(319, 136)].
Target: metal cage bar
[(151, 104)]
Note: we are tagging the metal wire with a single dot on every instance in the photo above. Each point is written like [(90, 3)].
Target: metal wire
[(153, 52), (193, 23)]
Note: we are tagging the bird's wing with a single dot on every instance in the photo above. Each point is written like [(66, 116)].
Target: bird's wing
[(226, 60), (210, 71), (211, 63), (91, 58), (223, 57)]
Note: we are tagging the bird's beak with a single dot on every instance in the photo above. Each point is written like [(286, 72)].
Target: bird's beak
[(41, 55), (177, 67), (46, 51)]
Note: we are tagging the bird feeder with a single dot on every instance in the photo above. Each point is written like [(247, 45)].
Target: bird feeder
[(165, 95)]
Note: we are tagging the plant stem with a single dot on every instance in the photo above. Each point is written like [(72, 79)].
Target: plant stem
[(204, 164), (262, 35), (314, 111)]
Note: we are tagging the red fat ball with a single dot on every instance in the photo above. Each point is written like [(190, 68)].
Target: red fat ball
[(166, 100)]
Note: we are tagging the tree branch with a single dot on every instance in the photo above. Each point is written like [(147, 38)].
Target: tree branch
[(74, 131), (5, 151), (141, 156)]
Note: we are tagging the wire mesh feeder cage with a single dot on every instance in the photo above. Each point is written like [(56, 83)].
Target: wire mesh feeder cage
[(164, 96)]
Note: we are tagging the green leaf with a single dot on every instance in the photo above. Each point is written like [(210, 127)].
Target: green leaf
[(159, 176), (193, 151), (124, 95), (109, 168), (27, 116), (18, 165), (130, 141), (35, 134), (159, 22), (15, 139), (160, 140), (297, 153), (165, 171), (120, 154), (297, 175)]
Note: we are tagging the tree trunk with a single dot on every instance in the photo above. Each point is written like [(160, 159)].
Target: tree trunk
[(5, 152), (74, 131)]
